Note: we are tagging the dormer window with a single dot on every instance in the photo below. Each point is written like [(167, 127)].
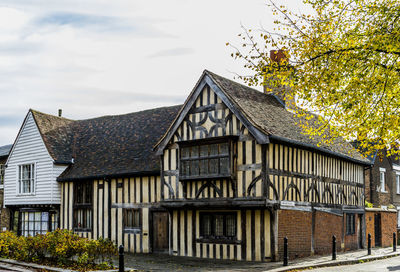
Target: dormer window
[(210, 159)]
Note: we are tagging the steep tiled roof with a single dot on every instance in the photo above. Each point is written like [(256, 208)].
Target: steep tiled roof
[(267, 114), (57, 135), (5, 150), (117, 145)]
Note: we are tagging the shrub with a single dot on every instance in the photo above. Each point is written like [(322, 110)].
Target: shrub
[(61, 247)]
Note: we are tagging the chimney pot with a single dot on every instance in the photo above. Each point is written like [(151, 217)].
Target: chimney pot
[(59, 112)]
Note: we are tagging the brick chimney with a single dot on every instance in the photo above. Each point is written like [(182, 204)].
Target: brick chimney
[(279, 57)]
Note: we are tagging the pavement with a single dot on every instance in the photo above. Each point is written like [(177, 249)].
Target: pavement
[(162, 262), (385, 265), (381, 259)]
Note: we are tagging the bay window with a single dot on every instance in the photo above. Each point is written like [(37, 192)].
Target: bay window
[(205, 160)]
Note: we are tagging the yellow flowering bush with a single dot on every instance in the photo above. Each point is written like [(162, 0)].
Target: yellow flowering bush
[(60, 247)]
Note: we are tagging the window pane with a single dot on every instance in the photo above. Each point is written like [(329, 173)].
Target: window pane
[(184, 168), (224, 149), (185, 152), (136, 222), (194, 168), (194, 152), (224, 165), (203, 167), (219, 225), (213, 166), (206, 225), (214, 149), (204, 150), (230, 225), (37, 216)]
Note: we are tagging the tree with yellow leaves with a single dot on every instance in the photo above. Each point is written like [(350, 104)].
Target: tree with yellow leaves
[(342, 64)]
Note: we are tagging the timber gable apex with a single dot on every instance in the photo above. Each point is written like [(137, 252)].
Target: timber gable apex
[(21, 129), (206, 79)]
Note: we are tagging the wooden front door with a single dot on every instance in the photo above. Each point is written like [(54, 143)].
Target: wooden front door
[(160, 231)]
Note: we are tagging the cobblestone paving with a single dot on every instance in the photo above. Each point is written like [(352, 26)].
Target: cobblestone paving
[(163, 262)]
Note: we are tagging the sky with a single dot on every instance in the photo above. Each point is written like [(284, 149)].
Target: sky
[(99, 57)]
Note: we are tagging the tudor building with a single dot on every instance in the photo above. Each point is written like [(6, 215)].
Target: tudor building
[(113, 188), (230, 175), (238, 175)]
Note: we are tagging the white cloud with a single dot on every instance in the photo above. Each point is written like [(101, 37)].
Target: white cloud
[(98, 57)]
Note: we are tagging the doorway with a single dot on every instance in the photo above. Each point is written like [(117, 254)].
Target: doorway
[(160, 236), (378, 230)]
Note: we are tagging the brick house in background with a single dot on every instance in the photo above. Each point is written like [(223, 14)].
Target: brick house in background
[(382, 189), (4, 213)]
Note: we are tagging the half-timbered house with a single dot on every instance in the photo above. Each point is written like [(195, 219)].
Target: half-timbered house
[(113, 188), (238, 175), (225, 176)]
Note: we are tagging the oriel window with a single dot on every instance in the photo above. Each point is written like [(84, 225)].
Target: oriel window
[(205, 160)]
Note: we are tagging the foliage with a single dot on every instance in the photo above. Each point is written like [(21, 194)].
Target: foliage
[(60, 247), (342, 63), (368, 205)]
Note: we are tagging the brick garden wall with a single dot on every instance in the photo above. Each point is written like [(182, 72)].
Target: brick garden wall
[(370, 227), (297, 226), (327, 225), (388, 226)]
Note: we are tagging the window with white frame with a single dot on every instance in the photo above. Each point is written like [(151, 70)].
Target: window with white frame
[(381, 187), (398, 182), (398, 217), (2, 170), (26, 178)]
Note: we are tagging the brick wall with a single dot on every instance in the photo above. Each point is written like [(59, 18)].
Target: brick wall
[(379, 198), (297, 227), (327, 225), (388, 226), (370, 227), (367, 182)]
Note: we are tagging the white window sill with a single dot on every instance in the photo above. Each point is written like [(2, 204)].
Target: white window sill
[(27, 194)]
